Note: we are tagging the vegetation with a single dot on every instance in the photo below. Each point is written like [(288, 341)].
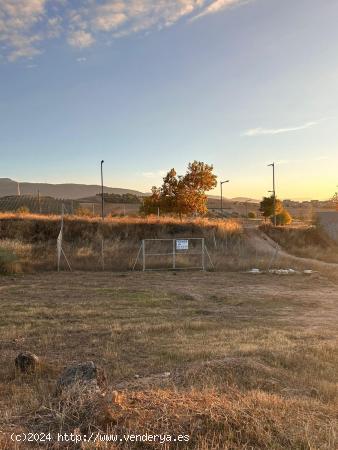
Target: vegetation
[(252, 215), (122, 237), (84, 212), (233, 360), (23, 210), (120, 198), (283, 218), (7, 261), (305, 242), (183, 195), (36, 205), (271, 207)]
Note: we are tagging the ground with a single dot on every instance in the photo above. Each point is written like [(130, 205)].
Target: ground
[(264, 339)]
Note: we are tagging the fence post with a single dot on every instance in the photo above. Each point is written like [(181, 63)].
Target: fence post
[(102, 254), (203, 255), (174, 253), (143, 256)]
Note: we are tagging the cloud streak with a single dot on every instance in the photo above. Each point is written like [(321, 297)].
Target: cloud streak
[(273, 131), (217, 6), (26, 25)]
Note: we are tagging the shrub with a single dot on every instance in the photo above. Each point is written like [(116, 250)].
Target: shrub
[(252, 215), (23, 210), (84, 212), (283, 218)]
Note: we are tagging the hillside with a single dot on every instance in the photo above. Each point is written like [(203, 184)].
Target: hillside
[(64, 190)]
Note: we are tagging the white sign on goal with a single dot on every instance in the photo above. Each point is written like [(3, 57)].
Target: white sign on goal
[(182, 244), (173, 254)]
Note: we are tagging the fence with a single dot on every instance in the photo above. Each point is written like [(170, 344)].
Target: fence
[(173, 254)]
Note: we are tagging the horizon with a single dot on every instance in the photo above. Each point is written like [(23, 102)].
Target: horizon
[(237, 84), (214, 194)]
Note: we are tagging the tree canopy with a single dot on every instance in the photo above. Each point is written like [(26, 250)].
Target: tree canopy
[(267, 208), (184, 194)]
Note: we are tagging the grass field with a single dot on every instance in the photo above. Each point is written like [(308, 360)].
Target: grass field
[(253, 359)]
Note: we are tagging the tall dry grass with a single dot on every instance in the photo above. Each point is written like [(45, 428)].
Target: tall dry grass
[(305, 242), (121, 238)]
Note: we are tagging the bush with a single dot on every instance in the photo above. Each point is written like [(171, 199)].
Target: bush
[(283, 218), (23, 210), (84, 212), (252, 215)]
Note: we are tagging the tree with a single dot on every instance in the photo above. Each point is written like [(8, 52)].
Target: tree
[(267, 206), (182, 194), (335, 201), (252, 215), (283, 218)]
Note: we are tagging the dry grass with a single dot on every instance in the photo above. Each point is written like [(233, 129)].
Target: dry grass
[(305, 241), (252, 359), (83, 239)]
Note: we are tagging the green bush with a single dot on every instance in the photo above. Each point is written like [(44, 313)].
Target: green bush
[(283, 218), (252, 215)]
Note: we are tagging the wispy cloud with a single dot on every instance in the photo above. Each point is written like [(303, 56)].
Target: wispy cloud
[(26, 25), (216, 6), (273, 131)]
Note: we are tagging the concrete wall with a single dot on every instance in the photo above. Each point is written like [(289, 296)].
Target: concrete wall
[(329, 222)]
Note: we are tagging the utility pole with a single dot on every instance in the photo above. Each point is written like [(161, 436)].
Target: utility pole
[(222, 182), (102, 198), (273, 193)]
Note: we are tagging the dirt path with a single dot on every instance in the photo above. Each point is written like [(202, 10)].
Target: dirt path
[(264, 244)]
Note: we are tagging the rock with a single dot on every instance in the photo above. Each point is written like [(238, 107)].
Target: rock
[(27, 362), (86, 375)]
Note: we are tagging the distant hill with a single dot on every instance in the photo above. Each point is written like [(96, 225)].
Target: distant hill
[(66, 190), (245, 199), (234, 199)]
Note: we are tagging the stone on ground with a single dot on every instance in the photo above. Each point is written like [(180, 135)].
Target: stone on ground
[(27, 362)]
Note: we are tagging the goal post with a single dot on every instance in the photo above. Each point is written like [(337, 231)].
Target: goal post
[(173, 254)]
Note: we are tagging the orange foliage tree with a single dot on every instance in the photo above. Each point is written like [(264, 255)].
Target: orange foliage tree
[(183, 195)]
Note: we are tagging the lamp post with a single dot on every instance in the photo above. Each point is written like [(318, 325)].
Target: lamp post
[(222, 182), (102, 199), (273, 192)]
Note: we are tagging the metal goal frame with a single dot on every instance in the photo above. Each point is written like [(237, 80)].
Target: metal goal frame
[(174, 253)]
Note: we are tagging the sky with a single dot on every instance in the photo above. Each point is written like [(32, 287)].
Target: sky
[(150, 85)]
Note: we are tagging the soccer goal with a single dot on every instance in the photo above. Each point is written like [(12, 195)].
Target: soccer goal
[(173, 254)]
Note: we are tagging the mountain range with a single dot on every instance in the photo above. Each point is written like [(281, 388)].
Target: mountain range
[(64, 190), (77, 191)]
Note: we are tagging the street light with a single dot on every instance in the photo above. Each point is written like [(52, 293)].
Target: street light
[(102, 201), (273, 192), (222, 182)]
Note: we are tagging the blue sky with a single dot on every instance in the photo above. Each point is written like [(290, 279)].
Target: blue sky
[(148, 85)]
